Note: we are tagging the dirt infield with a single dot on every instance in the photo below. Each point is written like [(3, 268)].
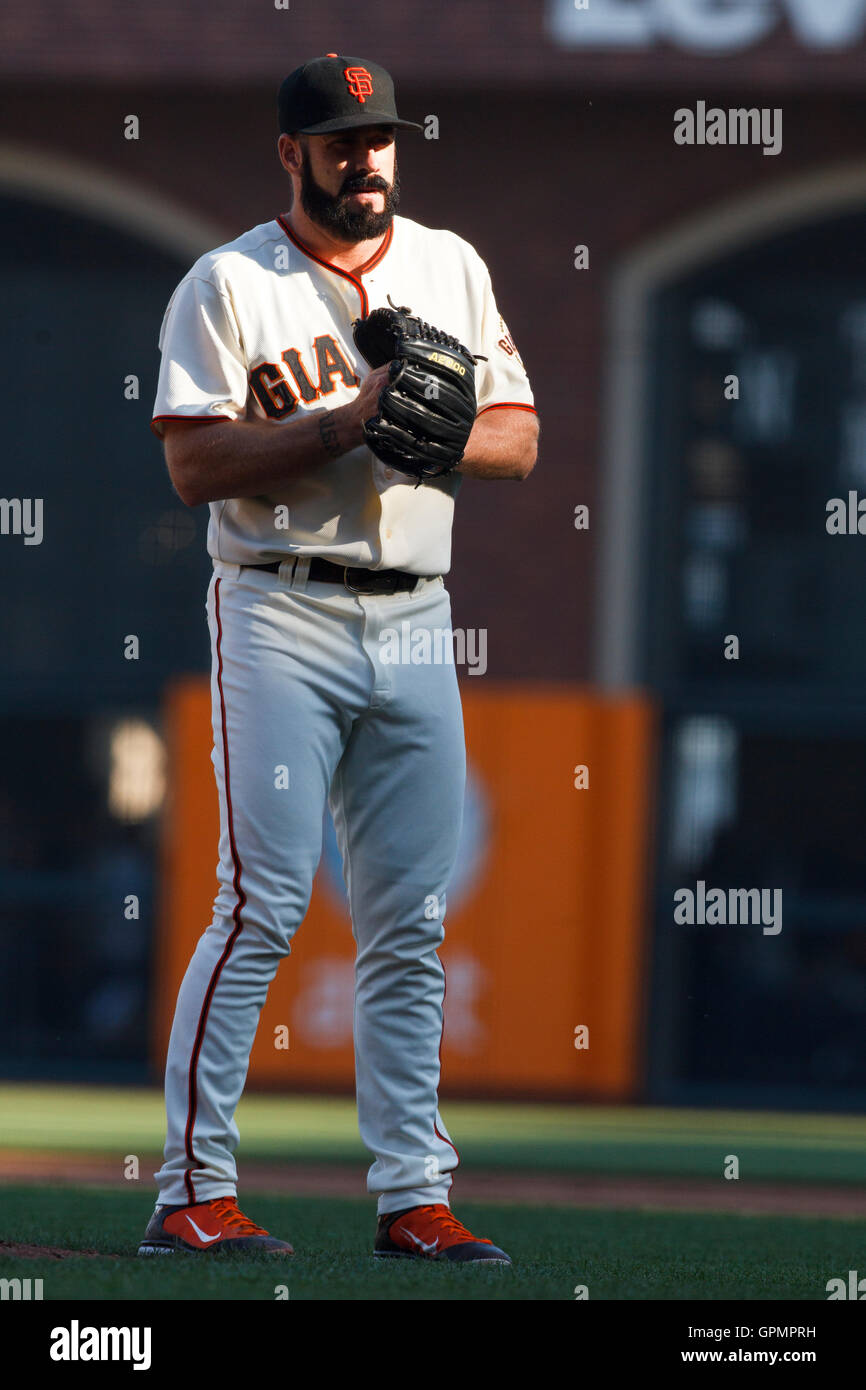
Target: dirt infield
[(48, 1252), (557, 1189)]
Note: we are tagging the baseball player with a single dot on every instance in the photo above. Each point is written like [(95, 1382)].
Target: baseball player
[(326, 380)]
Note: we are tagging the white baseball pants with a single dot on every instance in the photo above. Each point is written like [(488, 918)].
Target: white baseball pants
[(299, 683)]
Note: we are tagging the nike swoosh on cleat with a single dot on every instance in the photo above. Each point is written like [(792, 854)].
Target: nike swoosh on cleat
[(201, 1235), (427, 1249)]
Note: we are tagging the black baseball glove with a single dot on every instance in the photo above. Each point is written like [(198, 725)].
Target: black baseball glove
[(427, 409)]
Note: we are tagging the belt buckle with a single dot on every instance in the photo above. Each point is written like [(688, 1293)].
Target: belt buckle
[(371, 587)]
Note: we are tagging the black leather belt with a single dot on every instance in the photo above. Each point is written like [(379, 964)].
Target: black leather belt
[(357, 579)]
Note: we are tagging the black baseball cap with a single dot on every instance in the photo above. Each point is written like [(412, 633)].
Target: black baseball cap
[(337, 93)]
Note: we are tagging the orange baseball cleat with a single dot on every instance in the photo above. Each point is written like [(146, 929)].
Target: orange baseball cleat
[(217, 1227), (432, 1233)]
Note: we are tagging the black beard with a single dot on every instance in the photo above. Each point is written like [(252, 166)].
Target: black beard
[(333, 213)]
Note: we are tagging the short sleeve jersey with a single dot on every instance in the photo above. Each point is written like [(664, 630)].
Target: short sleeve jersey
[(262, 328)]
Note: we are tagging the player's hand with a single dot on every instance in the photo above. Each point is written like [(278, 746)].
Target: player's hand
[(366, 402)]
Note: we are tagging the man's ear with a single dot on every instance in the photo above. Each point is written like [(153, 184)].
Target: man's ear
[(290, 150)]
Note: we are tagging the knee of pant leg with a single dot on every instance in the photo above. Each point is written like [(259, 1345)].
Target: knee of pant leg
[(401, 910), (382, 964), (270, 911)]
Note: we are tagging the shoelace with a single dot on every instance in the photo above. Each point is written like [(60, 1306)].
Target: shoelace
[(226, 1208), (445, 1217)]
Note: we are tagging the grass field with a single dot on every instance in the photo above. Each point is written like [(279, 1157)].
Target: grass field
[(617, 1254), (603, 1139)]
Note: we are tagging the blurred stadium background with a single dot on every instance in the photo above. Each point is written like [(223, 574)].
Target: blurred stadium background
[(604, 645)]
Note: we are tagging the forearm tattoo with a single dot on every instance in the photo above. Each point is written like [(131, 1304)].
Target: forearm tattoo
[(328, 434)]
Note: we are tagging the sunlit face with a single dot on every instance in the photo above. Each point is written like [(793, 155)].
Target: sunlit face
[(349, 181)]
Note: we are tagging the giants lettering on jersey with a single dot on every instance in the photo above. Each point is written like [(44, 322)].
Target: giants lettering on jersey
[(270, 386), (263, 326), (506, 342)]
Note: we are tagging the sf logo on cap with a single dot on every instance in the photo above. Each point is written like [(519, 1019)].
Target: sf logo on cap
[(359, 81)]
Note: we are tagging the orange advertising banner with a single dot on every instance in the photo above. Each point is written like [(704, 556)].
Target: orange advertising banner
[(545, 934)]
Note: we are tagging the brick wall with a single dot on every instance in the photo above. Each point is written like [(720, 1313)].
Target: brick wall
[(482, 43), (524, 177)]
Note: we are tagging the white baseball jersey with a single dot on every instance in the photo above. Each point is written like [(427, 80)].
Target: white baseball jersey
[(263, 327)]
